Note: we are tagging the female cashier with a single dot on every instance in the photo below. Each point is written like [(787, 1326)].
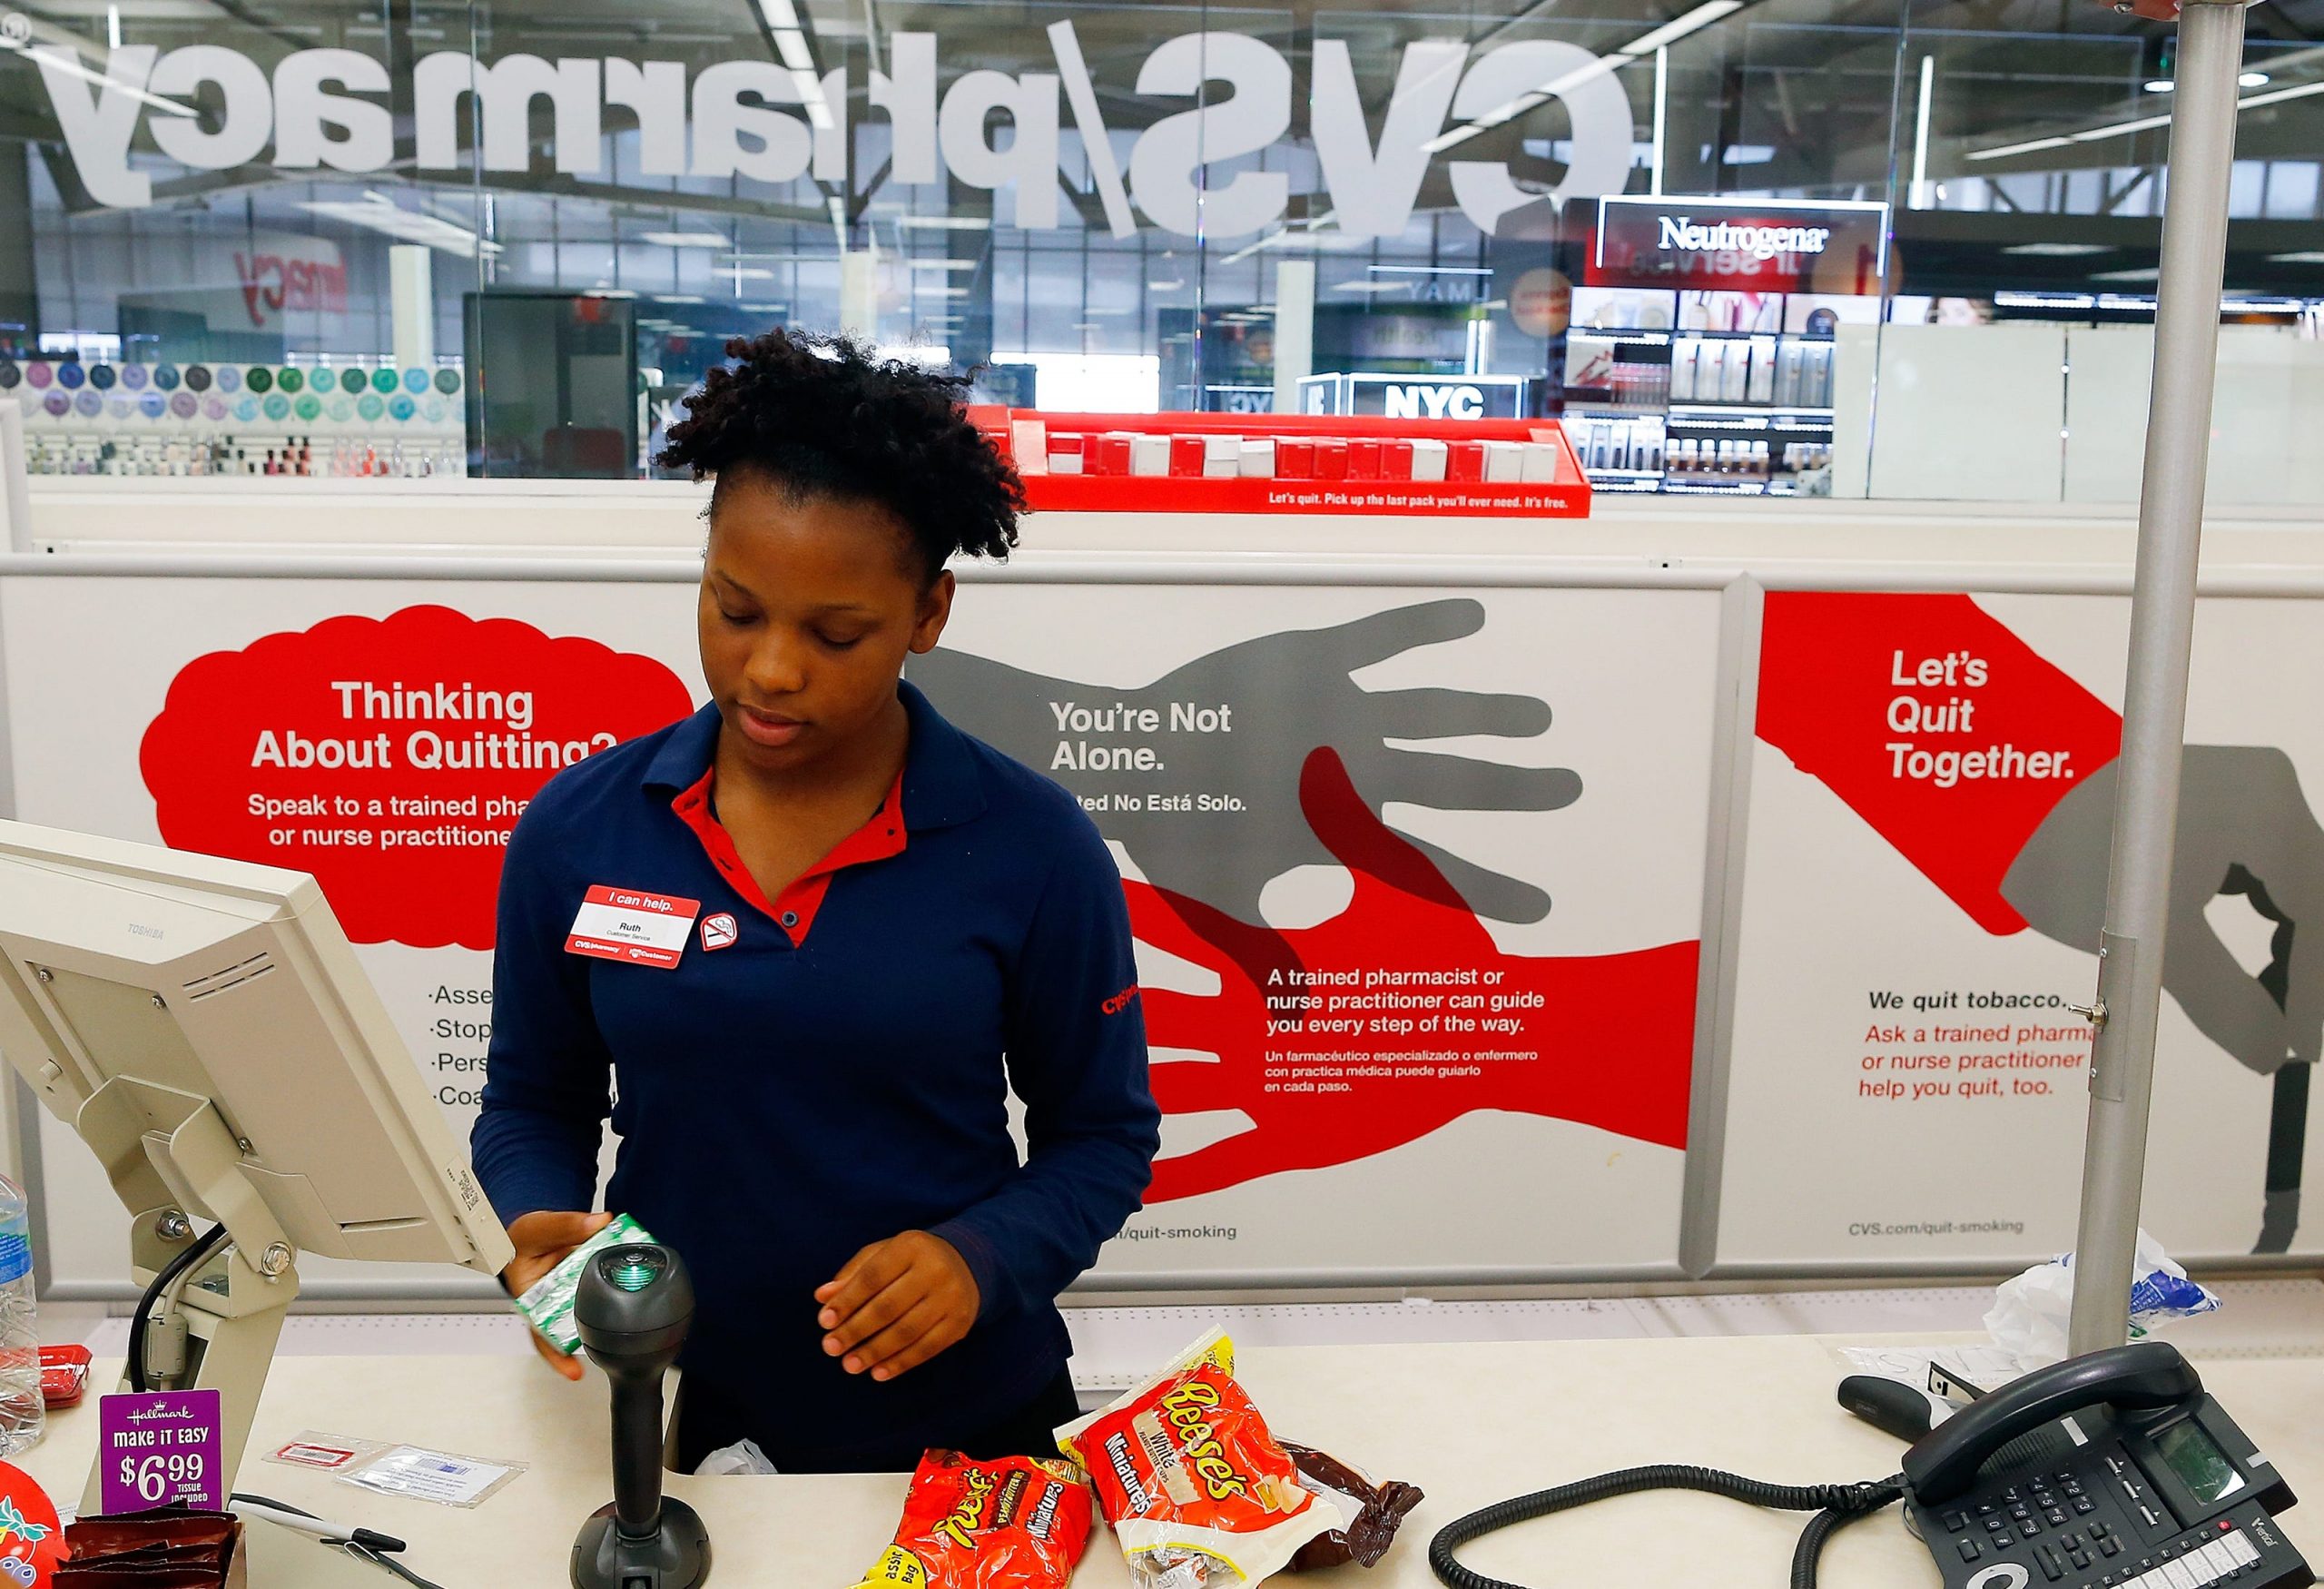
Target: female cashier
[(888, 925)]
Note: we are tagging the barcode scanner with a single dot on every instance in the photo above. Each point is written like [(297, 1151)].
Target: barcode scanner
[(632, 1311)]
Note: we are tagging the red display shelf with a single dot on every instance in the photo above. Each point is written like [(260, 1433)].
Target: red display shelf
[(1566, 495)]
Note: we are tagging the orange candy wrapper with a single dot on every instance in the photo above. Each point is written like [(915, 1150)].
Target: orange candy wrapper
[(1013, 1523), (1198, 1491)]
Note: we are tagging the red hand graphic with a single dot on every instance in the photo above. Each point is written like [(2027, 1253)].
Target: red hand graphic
[(1611, 1036)]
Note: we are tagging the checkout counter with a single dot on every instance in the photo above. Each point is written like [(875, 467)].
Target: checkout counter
[(1470, 1424)]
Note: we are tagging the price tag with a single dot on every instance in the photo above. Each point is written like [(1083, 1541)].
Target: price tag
[(156, 1447)]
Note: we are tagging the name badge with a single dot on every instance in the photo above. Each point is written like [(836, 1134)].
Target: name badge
[(632, 925)]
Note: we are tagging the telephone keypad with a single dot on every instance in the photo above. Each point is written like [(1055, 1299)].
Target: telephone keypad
[(2110, 1518)]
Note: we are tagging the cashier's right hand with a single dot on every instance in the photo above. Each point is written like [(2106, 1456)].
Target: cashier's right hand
[(542, 1240)]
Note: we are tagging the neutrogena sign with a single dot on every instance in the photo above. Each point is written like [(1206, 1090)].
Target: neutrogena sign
[(1837, 246), (759, 121), (1761, 242)]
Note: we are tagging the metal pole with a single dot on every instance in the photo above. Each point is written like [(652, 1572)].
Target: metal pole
[(2154, 694)]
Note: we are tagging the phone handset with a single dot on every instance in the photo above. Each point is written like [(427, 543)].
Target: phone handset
[(2145, 1375)]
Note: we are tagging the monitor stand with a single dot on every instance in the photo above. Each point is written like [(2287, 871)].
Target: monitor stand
[(168, 1153)]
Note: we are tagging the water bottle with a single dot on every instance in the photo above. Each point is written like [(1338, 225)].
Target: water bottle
[(23, 1415)]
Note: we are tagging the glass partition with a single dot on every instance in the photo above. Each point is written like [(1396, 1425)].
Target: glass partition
[(1741, 246)]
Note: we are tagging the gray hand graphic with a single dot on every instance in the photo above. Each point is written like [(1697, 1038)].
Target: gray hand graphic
[(1270, 700), (2244, 827)]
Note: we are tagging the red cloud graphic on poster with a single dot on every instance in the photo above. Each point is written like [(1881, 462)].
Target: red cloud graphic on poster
[(390, 757)]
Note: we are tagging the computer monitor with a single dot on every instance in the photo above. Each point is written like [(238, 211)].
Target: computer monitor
[(205, 1027)]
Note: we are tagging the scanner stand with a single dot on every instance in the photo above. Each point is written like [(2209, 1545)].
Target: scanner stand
[(674, 1555)]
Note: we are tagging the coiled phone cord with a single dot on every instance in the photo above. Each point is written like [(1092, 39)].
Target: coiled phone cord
[(1835, 1506)]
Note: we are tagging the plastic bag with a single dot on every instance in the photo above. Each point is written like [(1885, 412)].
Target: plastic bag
[(1008, 1523), (743, 1457), (1373, 1511), (2030, 1313), (1199, 1492)]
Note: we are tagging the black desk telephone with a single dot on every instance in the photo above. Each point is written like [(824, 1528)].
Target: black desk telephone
[(2108, 1470), (2114, 1470)]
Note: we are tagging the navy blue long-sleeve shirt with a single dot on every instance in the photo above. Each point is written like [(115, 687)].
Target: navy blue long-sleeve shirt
[(826, 1068)]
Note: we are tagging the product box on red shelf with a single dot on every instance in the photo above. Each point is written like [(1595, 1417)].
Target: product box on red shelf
[(1290, 463)]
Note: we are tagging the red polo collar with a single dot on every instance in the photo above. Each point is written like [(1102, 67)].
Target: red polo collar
[(879, 838)]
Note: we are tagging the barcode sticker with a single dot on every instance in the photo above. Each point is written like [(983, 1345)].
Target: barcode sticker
[(432, 1476)]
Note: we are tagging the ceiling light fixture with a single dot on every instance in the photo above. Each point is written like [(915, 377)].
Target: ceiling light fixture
[(2277, 97), (2030, 146), (66, 61), (811, 95), (1670, 33), (378, 213), (2144, 124), (2118, 129), (684, 238), (1645, 45)]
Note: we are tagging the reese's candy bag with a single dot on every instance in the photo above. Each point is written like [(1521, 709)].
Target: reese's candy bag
[(1200, 1494), (1013, 1523)]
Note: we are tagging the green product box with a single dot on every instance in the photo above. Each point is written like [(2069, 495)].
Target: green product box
[(547, 1302)]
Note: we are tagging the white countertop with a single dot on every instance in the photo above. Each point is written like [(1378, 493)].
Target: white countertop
[(1470, 1424)]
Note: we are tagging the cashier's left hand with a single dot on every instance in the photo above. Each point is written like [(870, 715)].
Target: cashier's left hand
[(897, 1304)]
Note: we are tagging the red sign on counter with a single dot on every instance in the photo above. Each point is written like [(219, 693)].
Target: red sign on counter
[(1290, 463)]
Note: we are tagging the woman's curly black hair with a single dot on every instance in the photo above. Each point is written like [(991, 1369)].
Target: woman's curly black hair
[(821, 416)]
